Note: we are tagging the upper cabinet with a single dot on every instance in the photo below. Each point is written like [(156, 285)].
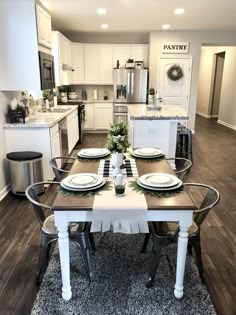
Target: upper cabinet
[(98, 64), (61, 49), (19, 61), (105, 64), (91, 60), (44, 27), (138, 52), (77, 76), (92, 64)]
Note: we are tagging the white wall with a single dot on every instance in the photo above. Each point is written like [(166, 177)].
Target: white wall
[(5, 98), (196, 40), (227, 106), (205, 79)]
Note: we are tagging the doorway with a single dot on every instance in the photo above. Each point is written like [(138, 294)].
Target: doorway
[(218, 67)]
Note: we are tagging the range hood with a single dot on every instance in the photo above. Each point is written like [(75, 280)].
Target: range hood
[(66, 67)]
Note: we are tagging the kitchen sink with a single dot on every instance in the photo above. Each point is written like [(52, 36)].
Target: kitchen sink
[(54, 110)]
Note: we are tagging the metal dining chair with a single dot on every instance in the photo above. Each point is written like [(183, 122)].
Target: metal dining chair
[(182, 166), (78, 232), (205, 197), (59, 173), (57, 164)]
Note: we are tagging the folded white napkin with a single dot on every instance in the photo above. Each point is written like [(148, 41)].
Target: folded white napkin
[(125, 214)]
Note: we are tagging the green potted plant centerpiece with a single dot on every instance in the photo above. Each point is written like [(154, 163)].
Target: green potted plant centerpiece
[(117, 144)]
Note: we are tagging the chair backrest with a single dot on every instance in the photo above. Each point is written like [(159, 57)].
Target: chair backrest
[(58, 171), (182, 165), (32, 195), (208, 197)]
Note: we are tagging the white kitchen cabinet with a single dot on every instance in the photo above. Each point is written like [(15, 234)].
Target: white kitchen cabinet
[(103, 115), (19, 62), (72, 130), (44, 27), (77, 52), (62, 56), (138, 52), (98, 64), (91, 60), (55, 142), (121, 53), (89, 116), (105, 65)]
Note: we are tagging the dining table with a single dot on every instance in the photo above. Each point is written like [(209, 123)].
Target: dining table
[(69, 208)]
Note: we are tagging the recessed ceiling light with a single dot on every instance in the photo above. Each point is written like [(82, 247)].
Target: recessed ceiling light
[(104, 26), (179, 11), (101, 11), (165, 26)]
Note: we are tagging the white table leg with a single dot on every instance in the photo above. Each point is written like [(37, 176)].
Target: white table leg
[(63, 241), (181, 258)]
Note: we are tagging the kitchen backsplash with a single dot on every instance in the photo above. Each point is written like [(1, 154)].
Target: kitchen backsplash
[(90, 91)]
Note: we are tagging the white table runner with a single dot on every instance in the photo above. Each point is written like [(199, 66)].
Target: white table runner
[(126, 214)]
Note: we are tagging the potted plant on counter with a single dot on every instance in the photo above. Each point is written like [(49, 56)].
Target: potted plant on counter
[(117, 144), (151, 95)]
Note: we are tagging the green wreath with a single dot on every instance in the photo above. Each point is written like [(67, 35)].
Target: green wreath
[(175, 73)]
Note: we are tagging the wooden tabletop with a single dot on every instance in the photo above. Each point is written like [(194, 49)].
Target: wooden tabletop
[(180, 201)]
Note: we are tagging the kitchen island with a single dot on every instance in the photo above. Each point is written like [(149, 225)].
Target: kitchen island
[(150, 127)]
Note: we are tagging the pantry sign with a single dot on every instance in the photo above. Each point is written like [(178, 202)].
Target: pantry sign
[(175, 48)]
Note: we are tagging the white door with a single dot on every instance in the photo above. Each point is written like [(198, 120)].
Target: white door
[(174, 92)]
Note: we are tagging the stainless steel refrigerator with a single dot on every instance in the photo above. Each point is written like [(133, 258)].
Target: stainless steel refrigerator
[(130, 86)]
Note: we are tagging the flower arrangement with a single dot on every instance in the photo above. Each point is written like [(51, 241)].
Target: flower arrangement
[(117, 138)]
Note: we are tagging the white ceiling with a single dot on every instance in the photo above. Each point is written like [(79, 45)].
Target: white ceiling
[(142, 15)]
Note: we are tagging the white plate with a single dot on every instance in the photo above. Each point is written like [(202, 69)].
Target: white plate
[(82, 180), (83, 189), (94, 152), (160, 188), (147, 151), (159, 180), (146, 156)]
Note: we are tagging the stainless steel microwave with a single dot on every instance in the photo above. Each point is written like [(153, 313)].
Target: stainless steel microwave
[(47, 74)]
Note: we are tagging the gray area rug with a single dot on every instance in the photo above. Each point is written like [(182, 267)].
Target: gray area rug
[(119, 283)]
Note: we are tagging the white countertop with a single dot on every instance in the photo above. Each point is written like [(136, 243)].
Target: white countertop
[(167, 112), (90, 101), (42, 120)]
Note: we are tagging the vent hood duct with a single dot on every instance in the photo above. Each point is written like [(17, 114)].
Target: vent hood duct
[(66, 67)]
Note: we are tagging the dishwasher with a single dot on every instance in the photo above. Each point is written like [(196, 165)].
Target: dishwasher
[(63, 136)]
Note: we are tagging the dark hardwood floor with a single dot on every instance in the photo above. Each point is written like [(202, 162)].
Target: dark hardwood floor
[(214, 153)]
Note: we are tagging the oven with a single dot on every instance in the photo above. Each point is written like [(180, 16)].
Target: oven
[(47, 75), (120, 112)]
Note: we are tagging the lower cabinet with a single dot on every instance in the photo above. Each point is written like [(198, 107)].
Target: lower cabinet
[(99, 116)]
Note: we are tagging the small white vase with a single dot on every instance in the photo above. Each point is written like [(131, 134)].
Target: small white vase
[(117, 161)]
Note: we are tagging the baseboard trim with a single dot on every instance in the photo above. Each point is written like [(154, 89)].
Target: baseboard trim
[(214, 116), (203, 115), (226, 124), (5, 191)]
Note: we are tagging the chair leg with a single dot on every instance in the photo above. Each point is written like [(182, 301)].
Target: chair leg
[(83, 242), (92, 242), (197, 248), (42, 262), (158, 246), (190, 251), (145, 242)]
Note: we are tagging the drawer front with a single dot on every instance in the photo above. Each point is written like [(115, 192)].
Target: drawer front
[(103, 105), (54, 130)]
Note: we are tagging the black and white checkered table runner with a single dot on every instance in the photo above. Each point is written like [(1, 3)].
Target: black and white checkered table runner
[(106, 170)]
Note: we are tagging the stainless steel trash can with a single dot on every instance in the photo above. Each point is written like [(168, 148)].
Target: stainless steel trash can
[(25, 168)]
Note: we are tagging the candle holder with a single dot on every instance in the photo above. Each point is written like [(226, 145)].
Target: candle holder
[(120, 189)]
